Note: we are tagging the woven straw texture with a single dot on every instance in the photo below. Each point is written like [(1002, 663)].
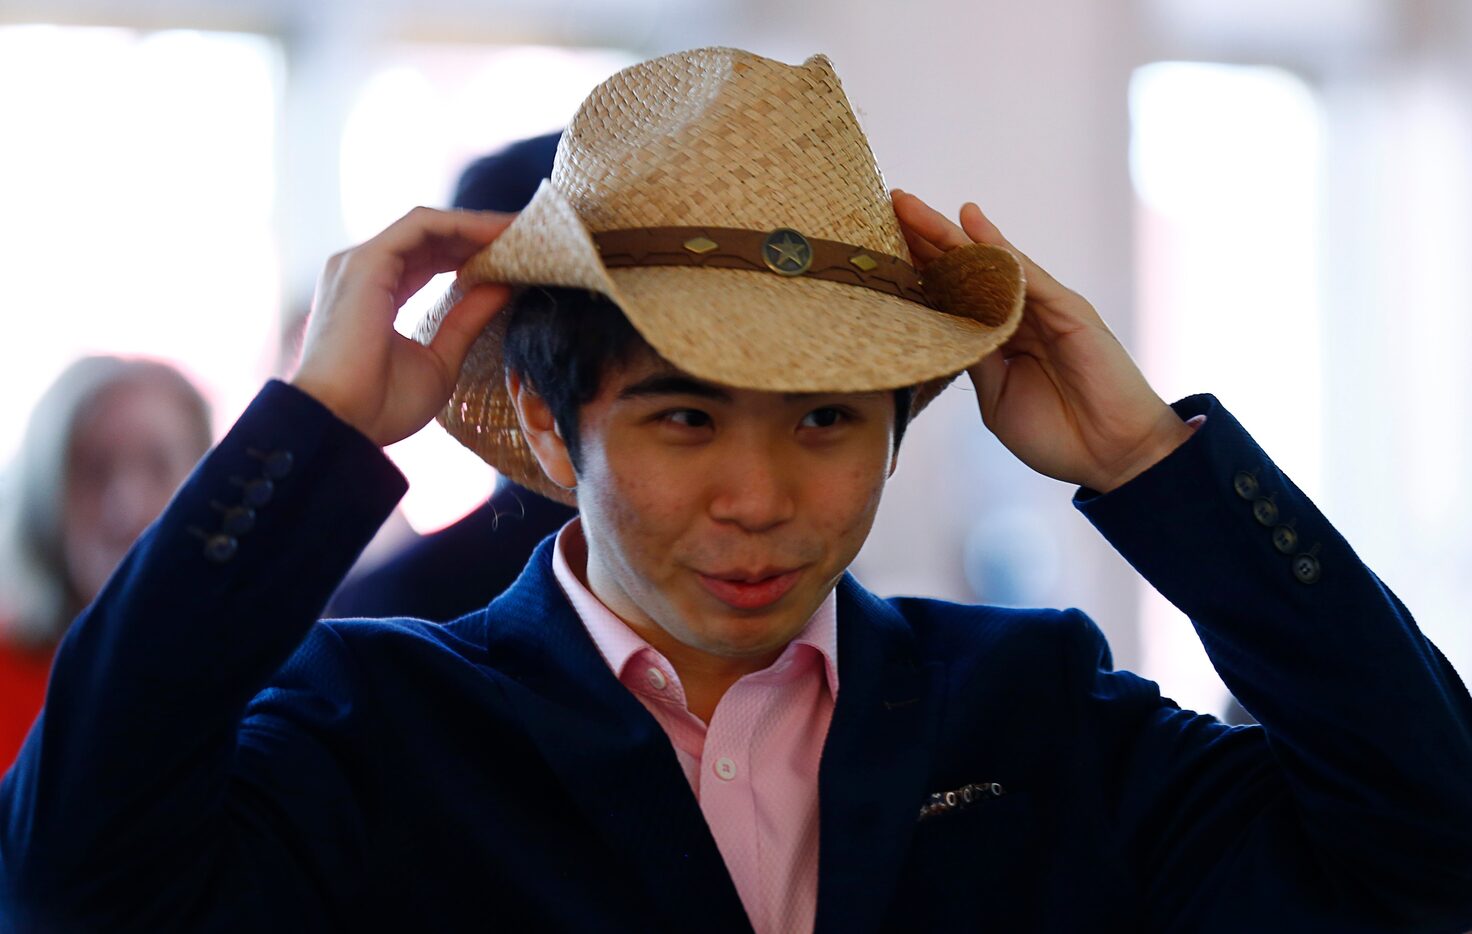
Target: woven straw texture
[(721, 137)]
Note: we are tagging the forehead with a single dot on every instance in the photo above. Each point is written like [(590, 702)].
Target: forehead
[(136, 413), (649, 376)]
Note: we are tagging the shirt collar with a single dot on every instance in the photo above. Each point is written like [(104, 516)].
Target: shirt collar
[(619, 644)]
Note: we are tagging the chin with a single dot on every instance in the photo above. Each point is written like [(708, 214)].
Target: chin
[(738, 634)]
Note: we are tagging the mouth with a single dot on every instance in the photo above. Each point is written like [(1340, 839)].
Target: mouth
[(753, 591)]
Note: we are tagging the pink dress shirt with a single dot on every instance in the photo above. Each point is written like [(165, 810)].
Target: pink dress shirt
[(754, 768)]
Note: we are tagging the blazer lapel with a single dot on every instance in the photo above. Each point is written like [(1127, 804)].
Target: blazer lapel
[(613, 758), (876, 760)]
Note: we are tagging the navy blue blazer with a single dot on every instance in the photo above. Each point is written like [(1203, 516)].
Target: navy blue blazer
[(213, 758), (460, 568)]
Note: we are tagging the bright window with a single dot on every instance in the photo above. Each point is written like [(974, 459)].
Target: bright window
[(136, 191), (139, 208), (1227, 165)]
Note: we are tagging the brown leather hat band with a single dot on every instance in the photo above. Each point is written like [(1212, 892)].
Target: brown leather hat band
[(783, 252)]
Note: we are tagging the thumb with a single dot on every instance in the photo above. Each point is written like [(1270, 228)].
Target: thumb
[(989, 376), (464, 322)]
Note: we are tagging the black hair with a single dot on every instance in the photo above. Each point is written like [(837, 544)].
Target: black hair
[(563, 342)]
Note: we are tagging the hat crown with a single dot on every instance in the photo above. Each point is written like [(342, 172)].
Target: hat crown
[(720, 137)]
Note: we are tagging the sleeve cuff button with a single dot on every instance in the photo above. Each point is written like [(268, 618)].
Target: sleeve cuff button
[(1265, 511), (278, 464), (1285, 539), (1306, 569), (1245, 484), (239, 520), (220, 548), (258, 493)]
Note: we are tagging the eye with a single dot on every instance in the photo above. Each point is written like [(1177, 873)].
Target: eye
[(687, 418), (826, 417)]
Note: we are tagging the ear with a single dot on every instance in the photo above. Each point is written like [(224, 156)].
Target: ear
[(540, 430)]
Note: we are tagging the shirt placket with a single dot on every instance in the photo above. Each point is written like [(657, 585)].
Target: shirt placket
[(728, 792)]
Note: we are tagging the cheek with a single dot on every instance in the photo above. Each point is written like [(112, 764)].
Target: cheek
[(88, 554), (82, 508), (640, 505), (844, 504)]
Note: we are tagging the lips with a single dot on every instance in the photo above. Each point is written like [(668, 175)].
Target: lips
[(750, 591)]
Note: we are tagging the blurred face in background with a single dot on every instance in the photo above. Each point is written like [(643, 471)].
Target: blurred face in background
[(128, 452)]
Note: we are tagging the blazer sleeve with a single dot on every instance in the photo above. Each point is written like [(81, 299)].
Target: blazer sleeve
[(1354, 798), (139, 802)]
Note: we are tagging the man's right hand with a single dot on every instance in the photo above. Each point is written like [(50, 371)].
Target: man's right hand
[(354, 362)]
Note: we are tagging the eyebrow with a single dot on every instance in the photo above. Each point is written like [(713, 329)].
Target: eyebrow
[(673, 384), (676, 384)]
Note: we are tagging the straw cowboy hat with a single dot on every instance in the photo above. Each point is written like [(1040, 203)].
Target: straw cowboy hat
[(732, 208)]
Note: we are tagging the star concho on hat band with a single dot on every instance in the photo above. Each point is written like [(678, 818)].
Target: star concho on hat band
[(783, 251)]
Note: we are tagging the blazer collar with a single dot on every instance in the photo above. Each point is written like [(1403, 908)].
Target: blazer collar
[(876, 761), (621, 772), (612, 757)]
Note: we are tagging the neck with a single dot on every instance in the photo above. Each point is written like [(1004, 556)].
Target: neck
[(704, 677)]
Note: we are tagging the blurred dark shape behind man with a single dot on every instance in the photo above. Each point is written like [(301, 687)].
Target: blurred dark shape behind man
[(466, 565)]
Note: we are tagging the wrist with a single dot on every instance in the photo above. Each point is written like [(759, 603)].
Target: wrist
[(329, 399), (1170, 434)]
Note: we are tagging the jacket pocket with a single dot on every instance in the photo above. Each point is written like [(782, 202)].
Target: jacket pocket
[(971, 866)]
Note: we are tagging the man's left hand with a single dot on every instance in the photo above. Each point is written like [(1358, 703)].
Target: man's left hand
[(1062, 393)]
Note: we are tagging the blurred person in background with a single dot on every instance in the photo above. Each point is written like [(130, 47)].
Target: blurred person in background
[(466, 565), (103, 451)]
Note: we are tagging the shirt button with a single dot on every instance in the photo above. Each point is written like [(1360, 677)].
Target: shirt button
[(657, 680), (1245, 484), (725, 768)]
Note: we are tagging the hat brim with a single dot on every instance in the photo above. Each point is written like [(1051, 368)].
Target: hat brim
[(748, 330)]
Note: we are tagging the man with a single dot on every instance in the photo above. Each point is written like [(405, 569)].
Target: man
[(684, 716)]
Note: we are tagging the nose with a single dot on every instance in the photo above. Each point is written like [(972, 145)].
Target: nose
[(753, 488), (131, 498)]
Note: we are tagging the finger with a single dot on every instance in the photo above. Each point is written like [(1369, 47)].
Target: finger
[(422, 225), (989, 375), (464, 323), (450, 250), (437, 255), (448, 247), (426, 242), (921, 250), (978, 226), (924, 220)]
